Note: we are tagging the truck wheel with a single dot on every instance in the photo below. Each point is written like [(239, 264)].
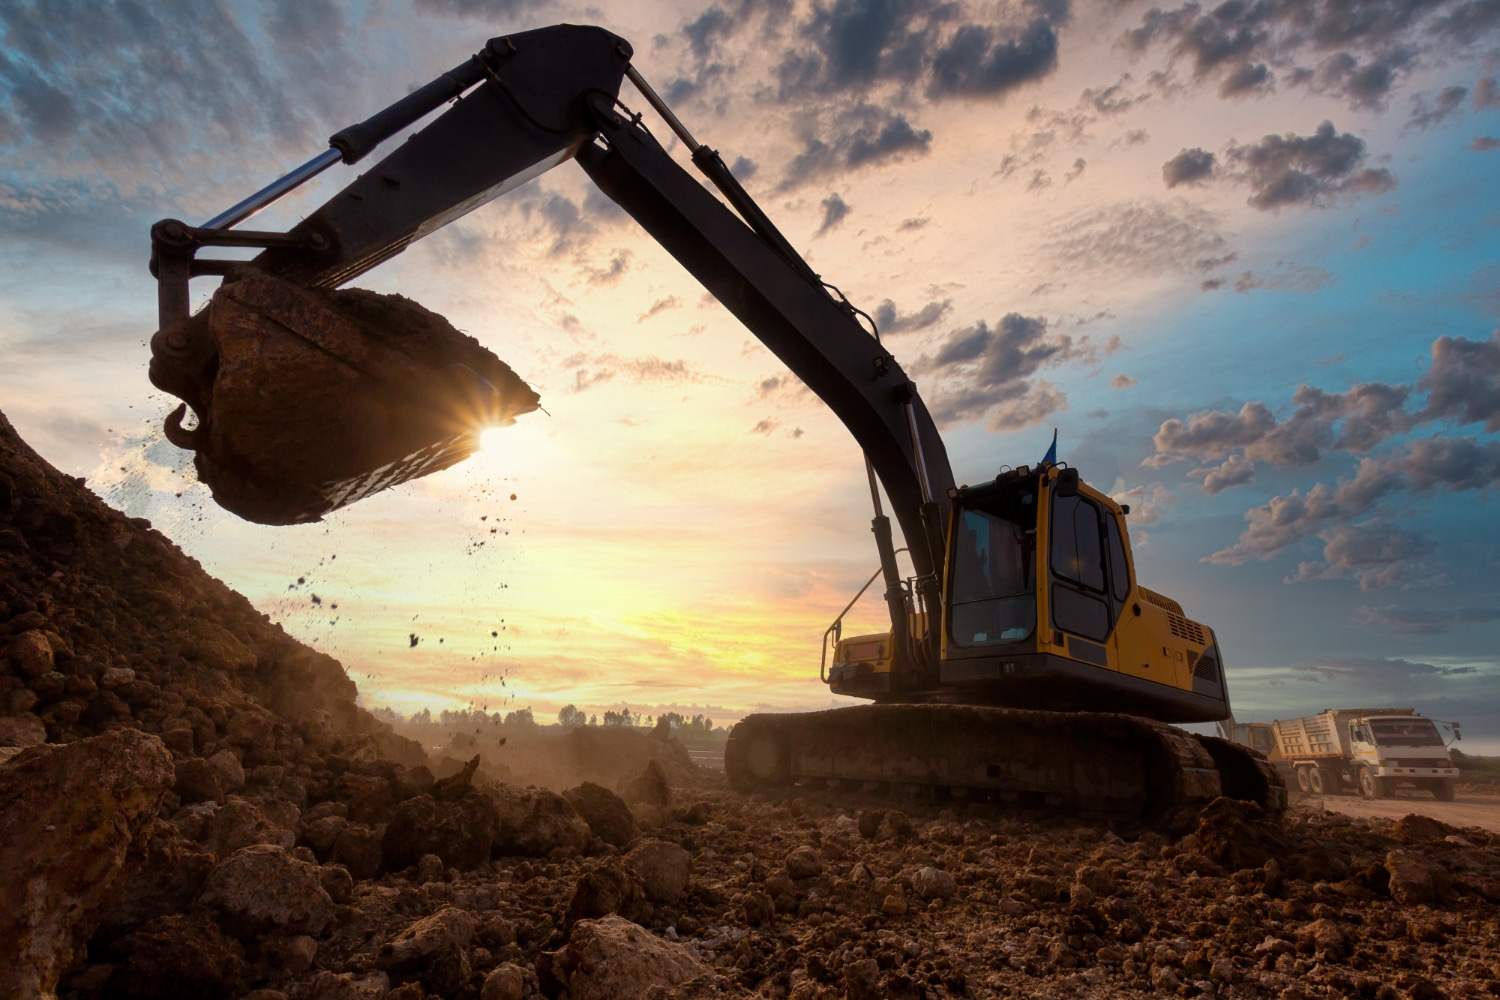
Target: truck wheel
[(1442, 789), (1319, 782), (1302, 779), (1370, 786)]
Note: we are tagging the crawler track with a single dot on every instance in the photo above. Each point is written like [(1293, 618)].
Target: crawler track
[(1087, 763)]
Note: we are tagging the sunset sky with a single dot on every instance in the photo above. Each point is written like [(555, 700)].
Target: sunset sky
[(1245, 258)]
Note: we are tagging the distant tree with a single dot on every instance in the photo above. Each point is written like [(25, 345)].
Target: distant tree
[(520, 717), (650, 721), (673, 719), (626, 719), (423, 717), (593, 720), (569, 715)]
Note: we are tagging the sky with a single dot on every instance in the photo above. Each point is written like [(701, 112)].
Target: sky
[(1244, 258)]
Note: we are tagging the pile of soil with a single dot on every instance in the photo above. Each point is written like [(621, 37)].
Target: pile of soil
[(191, 804)]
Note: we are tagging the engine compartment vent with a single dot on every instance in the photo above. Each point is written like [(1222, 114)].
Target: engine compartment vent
[(1182, 628)]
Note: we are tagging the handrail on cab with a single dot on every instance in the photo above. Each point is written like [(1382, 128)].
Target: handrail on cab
[(836, 629)]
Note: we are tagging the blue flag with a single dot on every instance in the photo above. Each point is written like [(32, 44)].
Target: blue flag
[(1051, 457)]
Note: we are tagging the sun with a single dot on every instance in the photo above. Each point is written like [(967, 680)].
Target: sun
[(493, 440)]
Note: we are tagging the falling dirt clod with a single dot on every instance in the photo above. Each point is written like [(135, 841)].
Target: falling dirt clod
[(310, 399)]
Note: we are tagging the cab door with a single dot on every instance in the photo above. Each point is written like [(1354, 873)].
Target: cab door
[(1080, 599)]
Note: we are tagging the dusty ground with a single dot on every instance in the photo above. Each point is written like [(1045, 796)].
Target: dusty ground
[(1482, 811), (191, 805)]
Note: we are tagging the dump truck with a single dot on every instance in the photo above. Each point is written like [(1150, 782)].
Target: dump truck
[(1024, 659), (1371, 751)]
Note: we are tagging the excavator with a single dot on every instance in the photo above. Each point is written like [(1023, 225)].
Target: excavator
[(1024, 661)]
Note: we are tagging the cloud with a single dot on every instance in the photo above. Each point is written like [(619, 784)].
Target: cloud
[(765, 426), (1236, 470), (1376, 554), (1123, 381), (980, 61), (660, 306), (985, 373), (1463, 383), (891, 321), (1286, 278), (1357, 421), (1382, 674), (480, 9), (1426, 621), (1462, 387), (1147, 503), (1484, 143), (861, 136), (1191, 166), (104, 106), (1314, 170), (1486, 94), (1450, 102), (1355, 51), (834, 211), (641, 369), (1138, 238), (1451, 464)]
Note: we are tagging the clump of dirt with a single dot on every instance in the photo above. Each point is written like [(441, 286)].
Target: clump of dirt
[(310, 399)]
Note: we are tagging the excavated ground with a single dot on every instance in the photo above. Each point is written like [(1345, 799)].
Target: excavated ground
[(192, 805)]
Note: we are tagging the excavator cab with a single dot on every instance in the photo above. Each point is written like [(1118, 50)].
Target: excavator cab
[(1041, 609)]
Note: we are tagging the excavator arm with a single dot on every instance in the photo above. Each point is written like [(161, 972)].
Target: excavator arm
[(524, 104)]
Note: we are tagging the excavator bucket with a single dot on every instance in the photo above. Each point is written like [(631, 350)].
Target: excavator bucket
[(309, 399)]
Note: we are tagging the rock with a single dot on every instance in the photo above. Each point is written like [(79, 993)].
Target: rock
[(759, 908), (68, 816), (534, 822), (804, 862), (292, 955), (506, 982), (430, 868), (422, 941), (1412, 880), (240, 823), (663, 868), (1415, 829), (31, 653), (862, 980), (461, 832), (610, 888), (893, 905), (1238, 834), (198, 781), (177, 956), (1097, 879), (650, 787), (894, 825), (933, 883), (22, 730), (227, 765), (337, 882), (349, 986), (605, 812), (612, 959), (869, 821), (1324, 939), (165, 876), (261, 889), (359, 848)]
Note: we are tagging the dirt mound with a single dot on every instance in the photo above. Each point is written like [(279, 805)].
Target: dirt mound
[(284, 844)]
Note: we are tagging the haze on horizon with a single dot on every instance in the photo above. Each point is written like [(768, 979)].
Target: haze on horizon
[(1243, 257)]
